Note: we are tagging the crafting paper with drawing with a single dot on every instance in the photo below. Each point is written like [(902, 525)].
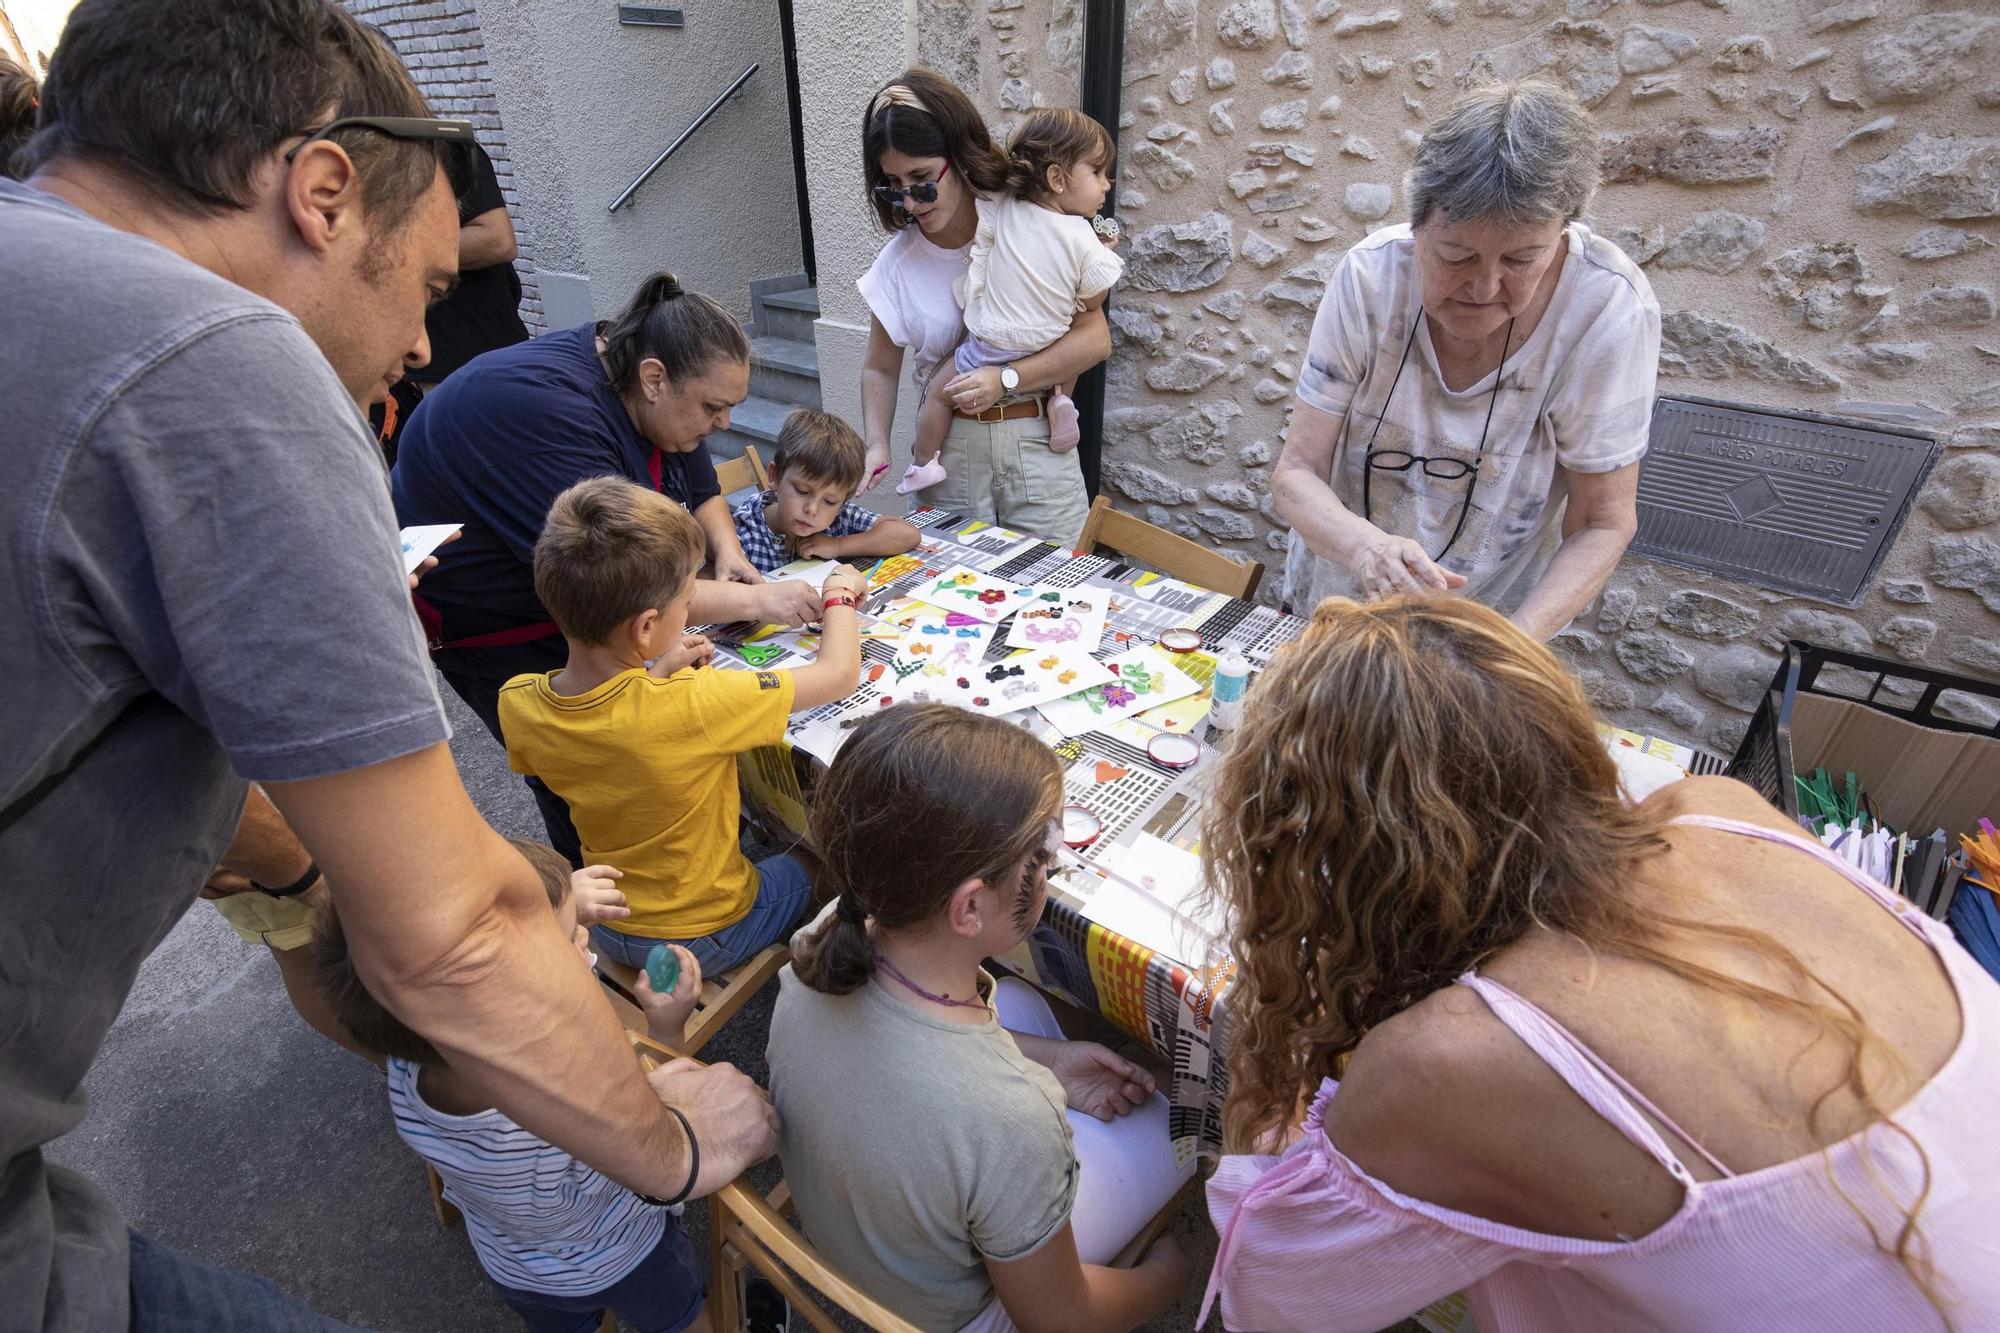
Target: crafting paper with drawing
[(978, 595), (1061, 617)]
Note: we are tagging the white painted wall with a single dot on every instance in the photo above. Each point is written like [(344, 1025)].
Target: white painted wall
[(588, 103), (846, 51)]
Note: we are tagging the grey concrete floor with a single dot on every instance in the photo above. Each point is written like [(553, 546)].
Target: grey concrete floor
[(226, 1128)]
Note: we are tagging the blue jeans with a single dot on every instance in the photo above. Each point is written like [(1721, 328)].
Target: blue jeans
[(173, 1293), (661, 1295), (784, 890)]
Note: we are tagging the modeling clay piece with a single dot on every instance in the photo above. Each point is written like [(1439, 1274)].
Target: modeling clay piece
[(1064, 632), (663, 970)]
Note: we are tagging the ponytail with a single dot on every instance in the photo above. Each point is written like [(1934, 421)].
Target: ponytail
[(684, 331), (838, 958), (922, 798)]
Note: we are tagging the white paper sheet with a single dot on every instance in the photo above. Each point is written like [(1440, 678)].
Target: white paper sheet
[(1155, 897), (1061, 618), (972, 593), (1145, 678), (420, 541)]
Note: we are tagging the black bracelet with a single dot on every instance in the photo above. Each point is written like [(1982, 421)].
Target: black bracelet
[(694, 1166), (296, 887)]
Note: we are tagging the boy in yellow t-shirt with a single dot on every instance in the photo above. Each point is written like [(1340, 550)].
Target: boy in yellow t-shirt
[(641, 740)]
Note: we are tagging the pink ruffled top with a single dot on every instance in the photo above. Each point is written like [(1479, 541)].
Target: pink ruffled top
[(1311, 1241)]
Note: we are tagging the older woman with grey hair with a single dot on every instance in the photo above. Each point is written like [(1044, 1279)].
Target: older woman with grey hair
[(1476, 396)]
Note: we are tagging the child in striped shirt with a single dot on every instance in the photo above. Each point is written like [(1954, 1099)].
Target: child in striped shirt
[(559, 1241)]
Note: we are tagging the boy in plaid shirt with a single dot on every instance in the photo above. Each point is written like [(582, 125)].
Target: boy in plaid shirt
[(809, 511)]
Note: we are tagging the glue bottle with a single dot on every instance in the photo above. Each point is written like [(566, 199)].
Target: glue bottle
[(1232, 677)]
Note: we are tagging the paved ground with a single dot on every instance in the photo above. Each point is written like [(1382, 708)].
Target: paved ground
[(223, 1126)]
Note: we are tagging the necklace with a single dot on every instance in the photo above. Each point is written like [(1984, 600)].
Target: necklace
[(896, 974)]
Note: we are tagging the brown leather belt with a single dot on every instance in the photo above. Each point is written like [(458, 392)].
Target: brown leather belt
[(1014, 411)]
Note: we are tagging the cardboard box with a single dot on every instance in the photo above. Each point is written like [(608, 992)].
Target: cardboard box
[(1918, 778)]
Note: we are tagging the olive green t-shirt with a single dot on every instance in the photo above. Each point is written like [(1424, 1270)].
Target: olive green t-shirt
[(916, 1147)]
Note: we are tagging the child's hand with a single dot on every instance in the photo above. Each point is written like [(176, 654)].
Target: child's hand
[(694, 650), (667, 1015), (847, 579), (595, 891), (819, 546)]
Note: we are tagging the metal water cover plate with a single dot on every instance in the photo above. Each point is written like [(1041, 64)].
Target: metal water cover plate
[(1792, 501)]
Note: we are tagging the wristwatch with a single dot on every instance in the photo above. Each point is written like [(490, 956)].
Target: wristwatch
[(1010, 378)]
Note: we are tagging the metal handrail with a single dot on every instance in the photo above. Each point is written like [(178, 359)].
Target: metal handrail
[(625, 195)]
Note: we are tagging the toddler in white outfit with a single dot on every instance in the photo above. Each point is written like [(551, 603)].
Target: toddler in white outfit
[(1037, 262)]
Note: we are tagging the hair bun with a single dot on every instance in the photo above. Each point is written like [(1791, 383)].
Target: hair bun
[(659, 288)]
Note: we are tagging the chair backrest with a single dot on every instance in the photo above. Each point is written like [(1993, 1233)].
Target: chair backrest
[(740, 474), (721, 995), (745, 1228), (1175, 556)]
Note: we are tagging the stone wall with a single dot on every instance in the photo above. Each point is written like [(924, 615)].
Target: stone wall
[(439, 41), (1812, 185)]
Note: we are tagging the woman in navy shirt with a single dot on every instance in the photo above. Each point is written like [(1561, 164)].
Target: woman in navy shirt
[(495, 443)]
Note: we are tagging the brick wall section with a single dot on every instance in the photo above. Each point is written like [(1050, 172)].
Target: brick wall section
[(440, 43)]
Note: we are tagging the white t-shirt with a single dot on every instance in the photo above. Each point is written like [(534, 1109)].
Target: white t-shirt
[(1579, 393), (909, 289), (1032, 269)]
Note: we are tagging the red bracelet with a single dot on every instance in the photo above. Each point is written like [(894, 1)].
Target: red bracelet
[(837, 599)]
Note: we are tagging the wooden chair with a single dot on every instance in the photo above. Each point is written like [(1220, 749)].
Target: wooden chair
[(1113, 530), (721, 997), (747, 1230), (742, 473)]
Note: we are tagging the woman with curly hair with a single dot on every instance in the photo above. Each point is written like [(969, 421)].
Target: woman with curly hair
[(1668, 1065)]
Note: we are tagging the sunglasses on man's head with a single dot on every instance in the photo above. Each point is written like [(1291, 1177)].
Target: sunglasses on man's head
[(455, 135), (922, 192)]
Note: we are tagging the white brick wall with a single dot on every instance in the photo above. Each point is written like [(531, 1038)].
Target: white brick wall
[(440, 43)]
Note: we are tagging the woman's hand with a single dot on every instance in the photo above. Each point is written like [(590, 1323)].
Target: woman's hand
[(875, 467), (1388, 566), (732, 566), (595, 891), (975, 390), (787, 602), (1098, 1081)]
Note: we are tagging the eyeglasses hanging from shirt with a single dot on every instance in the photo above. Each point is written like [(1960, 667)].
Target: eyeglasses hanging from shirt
[(1444, 469)]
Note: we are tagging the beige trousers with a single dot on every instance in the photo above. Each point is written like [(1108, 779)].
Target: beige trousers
[(1004, 473)]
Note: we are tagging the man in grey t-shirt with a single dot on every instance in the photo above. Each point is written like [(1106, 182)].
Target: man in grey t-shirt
[(201, 581)]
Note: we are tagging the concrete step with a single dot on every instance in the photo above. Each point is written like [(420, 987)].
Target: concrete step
[(788, 314), (799, 298), (784, 370)]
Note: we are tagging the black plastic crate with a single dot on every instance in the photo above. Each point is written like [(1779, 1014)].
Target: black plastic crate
[(1764, 759)]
